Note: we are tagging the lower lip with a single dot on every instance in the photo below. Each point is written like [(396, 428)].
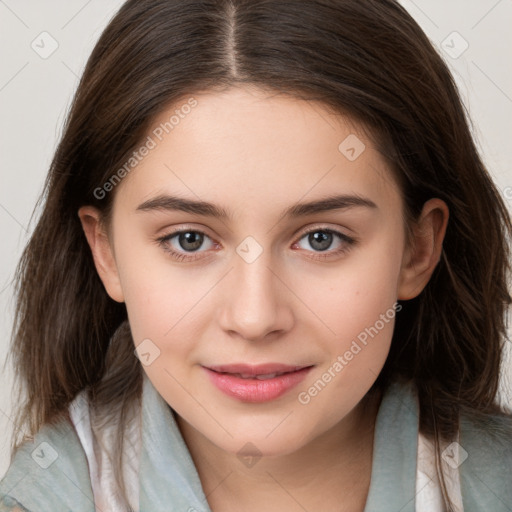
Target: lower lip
[(254, 390)]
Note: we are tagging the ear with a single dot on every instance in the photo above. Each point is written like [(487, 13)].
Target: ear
[(102, 251), (424, 252)]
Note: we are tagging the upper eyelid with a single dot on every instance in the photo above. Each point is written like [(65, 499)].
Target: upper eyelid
[(325, 228), (184, 229)]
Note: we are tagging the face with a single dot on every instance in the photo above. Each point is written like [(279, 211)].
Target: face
[(268, 273)]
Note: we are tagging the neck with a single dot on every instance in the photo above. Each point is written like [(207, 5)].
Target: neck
[(332, 472)]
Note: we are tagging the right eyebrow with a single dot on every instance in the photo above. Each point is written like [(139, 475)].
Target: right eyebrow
[(173, 203)]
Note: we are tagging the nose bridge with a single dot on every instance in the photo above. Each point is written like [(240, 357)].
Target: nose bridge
[(254, 305)]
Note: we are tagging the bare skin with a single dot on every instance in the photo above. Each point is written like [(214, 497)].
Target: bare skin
[(333, 480), (297, 303)]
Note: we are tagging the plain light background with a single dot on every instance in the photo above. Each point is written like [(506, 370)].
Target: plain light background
[(473, 36)]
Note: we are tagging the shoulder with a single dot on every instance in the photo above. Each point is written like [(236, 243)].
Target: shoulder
[(49, 473), (490, 434), (485, 461)]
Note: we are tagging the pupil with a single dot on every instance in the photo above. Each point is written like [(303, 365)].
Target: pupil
[(320, 240), (194, 239)]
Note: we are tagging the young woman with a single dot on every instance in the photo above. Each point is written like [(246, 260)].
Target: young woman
[(271, 272)]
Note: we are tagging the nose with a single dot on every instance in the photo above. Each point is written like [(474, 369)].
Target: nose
[(257, 305)]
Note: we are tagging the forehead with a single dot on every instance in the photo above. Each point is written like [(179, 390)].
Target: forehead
[(248, 147)]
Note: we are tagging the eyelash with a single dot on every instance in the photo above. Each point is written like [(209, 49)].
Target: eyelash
[(179, 256)]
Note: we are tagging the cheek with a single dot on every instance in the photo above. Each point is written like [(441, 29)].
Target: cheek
[(162, 301), (165, 312), (158, 295), (352, 295)]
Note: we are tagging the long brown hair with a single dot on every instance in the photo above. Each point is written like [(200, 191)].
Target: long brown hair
[(369, 60)]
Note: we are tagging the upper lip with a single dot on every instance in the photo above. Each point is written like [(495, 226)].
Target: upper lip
[(257, 369)]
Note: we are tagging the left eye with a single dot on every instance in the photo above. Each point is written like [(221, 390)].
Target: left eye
[(322, 239)]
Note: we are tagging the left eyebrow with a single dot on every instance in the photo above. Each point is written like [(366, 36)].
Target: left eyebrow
[(342, 202), (204, 208)]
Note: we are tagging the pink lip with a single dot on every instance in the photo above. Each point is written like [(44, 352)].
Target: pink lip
[(252, 389)]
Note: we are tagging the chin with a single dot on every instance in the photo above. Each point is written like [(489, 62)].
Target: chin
[(261, 443)]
